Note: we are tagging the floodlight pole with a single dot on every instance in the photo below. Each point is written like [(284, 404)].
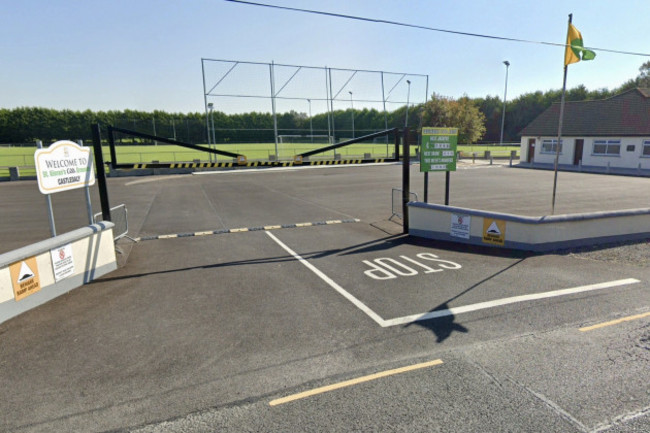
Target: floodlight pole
[(352, 106), (275, 118), (205, 103), (383, 100), (332, 109), (153, 121), (214, 139), (311, 125), (408, 95), (329, 113), (505, 92)]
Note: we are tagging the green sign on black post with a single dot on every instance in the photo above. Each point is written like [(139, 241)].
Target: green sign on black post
[(438, 150)]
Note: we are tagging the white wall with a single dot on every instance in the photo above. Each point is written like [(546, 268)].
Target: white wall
[(544, 233), (93, 255), (626, 159)]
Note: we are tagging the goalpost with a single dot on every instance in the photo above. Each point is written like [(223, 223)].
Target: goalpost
[(302, 139), (321, 100)]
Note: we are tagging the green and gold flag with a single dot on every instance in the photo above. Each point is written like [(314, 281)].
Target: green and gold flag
[(575, 50)]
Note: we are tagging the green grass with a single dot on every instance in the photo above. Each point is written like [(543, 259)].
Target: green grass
[(24, 156)]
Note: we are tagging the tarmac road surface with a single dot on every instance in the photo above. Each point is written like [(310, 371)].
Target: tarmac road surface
[(318, 327)]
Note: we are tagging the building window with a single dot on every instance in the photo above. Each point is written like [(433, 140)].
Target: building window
[(607, 147), (550, 146), (646, 148)]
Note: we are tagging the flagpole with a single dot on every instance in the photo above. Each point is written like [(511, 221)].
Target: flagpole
[(559, 128)]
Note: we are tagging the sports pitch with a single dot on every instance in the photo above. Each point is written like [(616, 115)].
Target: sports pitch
[(23, 157)]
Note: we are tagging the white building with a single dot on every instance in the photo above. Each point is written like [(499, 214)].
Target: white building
[(613, 132)]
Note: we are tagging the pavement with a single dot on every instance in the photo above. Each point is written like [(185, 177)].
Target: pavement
[(616, 171), (315, 327)]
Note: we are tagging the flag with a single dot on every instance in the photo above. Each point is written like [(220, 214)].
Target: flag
[(575, 50)]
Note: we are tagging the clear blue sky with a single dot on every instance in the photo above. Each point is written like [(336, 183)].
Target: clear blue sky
[(146, 54)]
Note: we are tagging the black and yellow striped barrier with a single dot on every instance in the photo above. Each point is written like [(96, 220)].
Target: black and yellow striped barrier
[(246, 229), (251, 164)]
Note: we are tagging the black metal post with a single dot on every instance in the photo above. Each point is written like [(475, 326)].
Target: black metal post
[(396, 145), (100, 172), (447, 177), (111, 144), (406, 180), (426, 187)]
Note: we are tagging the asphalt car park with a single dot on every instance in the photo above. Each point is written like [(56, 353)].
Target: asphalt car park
[(205, 332), (400, 278)]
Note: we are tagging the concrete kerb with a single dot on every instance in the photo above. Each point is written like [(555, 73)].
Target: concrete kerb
[(616, 171), (92, 254), (538, 234)]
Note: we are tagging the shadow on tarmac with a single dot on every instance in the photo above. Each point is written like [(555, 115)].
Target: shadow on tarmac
[(375, 245), (443, 326), (279, 259)]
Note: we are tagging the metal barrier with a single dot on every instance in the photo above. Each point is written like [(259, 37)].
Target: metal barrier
[(396, 202), (119, 217)]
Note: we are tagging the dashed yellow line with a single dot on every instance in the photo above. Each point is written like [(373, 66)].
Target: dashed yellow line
[(351, 382), (245, 229), (168, 236), (615, 322)]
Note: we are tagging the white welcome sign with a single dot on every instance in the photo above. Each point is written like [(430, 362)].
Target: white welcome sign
[(62, 166)]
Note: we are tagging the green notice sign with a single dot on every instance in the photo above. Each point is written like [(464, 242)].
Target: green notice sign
[(438, 151)]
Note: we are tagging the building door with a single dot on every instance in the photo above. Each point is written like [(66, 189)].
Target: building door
[(531, 149), (577, 156)]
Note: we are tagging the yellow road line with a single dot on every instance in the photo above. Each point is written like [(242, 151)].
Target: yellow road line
[(615, 322), (351, 382)]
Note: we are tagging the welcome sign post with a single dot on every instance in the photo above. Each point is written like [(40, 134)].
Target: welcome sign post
[(63, 166), (438, 153)]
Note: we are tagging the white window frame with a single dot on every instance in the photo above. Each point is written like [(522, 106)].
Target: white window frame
[(646, 145), (553, 144), (607, 144)]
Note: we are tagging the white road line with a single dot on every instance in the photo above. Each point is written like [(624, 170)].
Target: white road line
[(505, 301), (156, 179), (450, 311), (357, 303)]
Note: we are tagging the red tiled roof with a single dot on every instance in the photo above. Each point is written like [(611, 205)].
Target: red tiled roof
[(627, 114)]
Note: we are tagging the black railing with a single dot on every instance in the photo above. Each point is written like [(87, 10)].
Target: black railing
[(383, 133), (111, 142)]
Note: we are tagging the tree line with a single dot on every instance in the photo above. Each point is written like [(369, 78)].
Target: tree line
[(479, 119)]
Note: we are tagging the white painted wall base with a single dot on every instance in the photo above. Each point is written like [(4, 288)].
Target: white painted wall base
[(93, 253), (545, 233)]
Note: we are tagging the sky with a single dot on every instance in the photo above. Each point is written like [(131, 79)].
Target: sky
[(147, 54)]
